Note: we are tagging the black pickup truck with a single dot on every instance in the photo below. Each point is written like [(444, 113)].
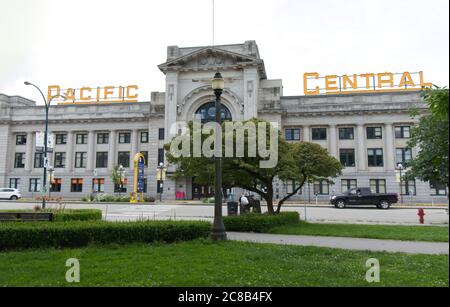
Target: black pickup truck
[(362, 197)]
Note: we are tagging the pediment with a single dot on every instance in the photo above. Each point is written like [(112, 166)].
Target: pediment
[(210, 58)]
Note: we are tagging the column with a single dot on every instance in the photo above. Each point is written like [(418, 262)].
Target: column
[(91, 151), (112, 150), (29, 154), (361, 148), (69, 151), (389, 147), (306, 134), (333, 141), (134, 143)]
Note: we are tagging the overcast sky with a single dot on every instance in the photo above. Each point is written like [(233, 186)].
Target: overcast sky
[(76, 43)]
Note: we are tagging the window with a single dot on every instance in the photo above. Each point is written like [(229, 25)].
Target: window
[(374, 133), (321, 187), (319, 134), (19, 160), (347, 157), (404, 155), (403, 132), (292, 134), (14, 183), (121, 188), (124, 158), (80, 159), (144, 137), (161, 156), (162, 133), (409, 187), (77, 185), (98, 185), (82, 139), (60, 159), (124, 138), (103, 138), (291, 185), (378, 186), (346, 134), (437, 189), (145, 186), (39, 160), (375, 158), (102, 160), (348, 184), (56, 186), (145, 153), (35, 185), (61, 139), (21, 139)]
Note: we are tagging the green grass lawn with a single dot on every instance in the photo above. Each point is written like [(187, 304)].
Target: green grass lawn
[(403, 233), (203, 263)]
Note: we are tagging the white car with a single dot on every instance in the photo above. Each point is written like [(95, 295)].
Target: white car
[(11, 194)]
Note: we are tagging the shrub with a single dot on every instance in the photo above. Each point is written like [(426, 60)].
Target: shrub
[(76, 215), (211, 200), (79, 234), (260, 223)]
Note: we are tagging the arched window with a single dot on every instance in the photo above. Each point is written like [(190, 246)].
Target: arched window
[(207, 113)]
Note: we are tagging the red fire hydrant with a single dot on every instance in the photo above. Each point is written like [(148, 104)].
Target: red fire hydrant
[(421, 215)]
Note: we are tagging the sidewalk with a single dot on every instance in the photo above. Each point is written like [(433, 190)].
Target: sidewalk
[(373, 245)]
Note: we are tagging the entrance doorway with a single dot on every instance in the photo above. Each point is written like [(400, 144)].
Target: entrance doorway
[(202, 191)]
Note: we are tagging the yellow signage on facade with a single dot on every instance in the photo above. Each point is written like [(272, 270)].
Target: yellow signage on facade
[(89, 95), (314, 84)]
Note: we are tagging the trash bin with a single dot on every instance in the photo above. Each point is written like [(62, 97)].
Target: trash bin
[(232, 208)]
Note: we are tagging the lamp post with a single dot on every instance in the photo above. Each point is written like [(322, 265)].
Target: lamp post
[(218, 234), (161, 178), (47, 107), (400, 168)]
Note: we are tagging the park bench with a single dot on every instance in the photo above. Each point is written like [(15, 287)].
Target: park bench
[(25, 217)]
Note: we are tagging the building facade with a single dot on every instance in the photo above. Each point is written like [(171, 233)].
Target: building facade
[(368, 132)]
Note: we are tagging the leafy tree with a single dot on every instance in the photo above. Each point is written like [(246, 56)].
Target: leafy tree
[(431, 136), (295, 162), (116, 178), (311, 161)]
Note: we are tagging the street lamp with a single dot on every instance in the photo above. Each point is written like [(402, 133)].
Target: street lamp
[(47, 107), (218, 234), (160, 177), (401, 168)]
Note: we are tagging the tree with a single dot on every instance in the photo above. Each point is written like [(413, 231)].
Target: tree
[(116, 177), (431, 136), (311, 161), (295, 162)]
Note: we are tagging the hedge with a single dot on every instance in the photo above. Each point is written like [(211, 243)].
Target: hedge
[(79, 234), (69, 215), (260, 223)]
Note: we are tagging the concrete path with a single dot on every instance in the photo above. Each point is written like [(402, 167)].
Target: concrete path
[(346, 243)]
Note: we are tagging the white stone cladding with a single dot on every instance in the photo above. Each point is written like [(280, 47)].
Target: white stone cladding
[(248, 94)]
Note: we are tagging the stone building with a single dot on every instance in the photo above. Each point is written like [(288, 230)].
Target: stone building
[(368, 132)]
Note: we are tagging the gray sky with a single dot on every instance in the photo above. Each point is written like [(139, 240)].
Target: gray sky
[(76, 43)]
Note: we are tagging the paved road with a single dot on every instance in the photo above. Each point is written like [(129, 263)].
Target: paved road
[(127, 212), (346, 243)]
